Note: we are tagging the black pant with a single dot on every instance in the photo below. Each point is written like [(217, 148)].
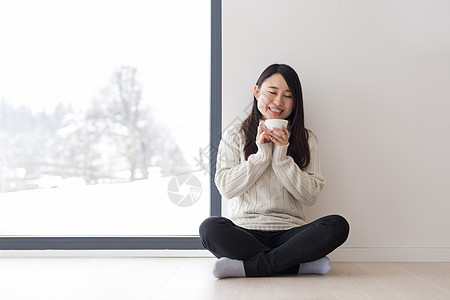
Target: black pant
[(267, 253)]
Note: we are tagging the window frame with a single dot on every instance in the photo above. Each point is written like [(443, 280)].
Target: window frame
[(150, 242)]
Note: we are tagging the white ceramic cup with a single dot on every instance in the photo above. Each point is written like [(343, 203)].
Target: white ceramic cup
[(274, 123)]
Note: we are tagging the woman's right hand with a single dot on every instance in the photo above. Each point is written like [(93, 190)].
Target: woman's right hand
[(263, 136)]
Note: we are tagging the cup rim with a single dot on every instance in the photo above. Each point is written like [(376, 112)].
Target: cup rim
[(276, 120)]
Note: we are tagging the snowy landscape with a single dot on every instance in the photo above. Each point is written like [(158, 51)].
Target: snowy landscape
[(101, 129), (139, 208)]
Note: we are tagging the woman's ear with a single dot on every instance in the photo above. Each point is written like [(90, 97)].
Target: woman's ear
[(256, 91)]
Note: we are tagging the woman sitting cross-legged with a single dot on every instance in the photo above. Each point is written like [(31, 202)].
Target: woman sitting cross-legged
[(269, 175)]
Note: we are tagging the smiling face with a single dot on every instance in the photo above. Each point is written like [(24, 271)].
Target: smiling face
[(275, 100)]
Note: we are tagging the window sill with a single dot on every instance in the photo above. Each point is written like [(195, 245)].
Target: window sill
[(103, 253)]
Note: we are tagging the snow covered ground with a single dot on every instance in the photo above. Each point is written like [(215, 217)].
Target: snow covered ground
[(139, 208)]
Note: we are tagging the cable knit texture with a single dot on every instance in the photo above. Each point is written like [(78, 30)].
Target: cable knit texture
[(268, 191)]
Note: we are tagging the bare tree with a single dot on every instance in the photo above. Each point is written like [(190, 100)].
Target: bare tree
[(121, 114)]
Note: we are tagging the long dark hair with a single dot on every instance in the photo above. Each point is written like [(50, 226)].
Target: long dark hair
[(298, 140)]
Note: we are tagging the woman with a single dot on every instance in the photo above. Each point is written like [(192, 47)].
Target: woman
[(268, 177)]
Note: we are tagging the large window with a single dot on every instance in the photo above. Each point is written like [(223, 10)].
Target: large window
[(109, 117)]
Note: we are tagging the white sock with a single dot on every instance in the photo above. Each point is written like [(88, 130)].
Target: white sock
[(227, 267), (320, 266)]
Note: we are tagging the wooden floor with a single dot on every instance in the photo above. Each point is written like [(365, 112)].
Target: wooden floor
[(191, 278)]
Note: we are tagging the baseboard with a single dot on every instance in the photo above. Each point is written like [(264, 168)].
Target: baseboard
[(391, 254), (340, 255)]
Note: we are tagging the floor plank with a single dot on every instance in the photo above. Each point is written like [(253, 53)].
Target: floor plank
[(191, 278), (308, 287), (85, 278), (402, 283), (437, 273), (348, 282), (143, 280), (243, 288)]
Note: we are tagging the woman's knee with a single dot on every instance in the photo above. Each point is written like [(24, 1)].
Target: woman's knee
[(212, 233), (211, 225), (341, 228)]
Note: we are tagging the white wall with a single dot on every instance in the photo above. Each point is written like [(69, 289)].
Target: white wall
[(376, 83)]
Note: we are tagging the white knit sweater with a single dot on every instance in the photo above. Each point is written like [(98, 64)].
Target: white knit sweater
[(268, 191)]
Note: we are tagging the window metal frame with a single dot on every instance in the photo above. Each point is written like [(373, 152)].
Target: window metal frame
[(143, 242)]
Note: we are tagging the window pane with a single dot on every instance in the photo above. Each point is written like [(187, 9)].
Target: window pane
[(104, 117)]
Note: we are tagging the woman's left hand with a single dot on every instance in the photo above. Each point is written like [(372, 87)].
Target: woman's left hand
[(282, 139)]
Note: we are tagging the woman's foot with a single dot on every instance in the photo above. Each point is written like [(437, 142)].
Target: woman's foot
[(227, 267), (320, 266)]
